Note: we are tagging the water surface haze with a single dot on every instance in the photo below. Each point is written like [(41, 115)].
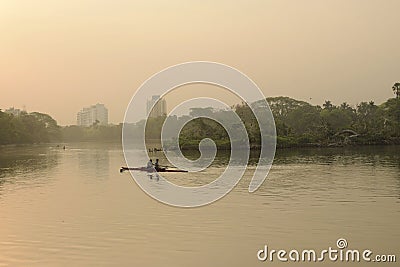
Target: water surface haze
[(73, 208)]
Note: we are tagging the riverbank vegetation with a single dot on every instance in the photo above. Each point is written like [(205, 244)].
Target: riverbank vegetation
[(298, 124), (28, 128)]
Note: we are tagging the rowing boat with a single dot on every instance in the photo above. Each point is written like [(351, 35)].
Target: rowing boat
[(145, 169)]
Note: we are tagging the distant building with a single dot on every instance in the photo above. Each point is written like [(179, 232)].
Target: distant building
[(94, 114), (13, 111), (160, 108)]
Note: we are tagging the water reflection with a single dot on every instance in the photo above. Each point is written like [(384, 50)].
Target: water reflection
[(368, 171), (90, 214), (372, 156), (28, 163), (368, 167), (354, 175), (94, 162)]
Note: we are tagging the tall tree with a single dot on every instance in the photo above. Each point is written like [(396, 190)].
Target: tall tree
[(345, 106), (328, 105)]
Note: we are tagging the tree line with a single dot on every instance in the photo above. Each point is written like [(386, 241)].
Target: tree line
[(28, 128), (298, 123), (35, 128)]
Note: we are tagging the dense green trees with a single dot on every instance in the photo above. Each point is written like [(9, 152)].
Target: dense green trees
[(298, 123), (35, 127), (28, 128)]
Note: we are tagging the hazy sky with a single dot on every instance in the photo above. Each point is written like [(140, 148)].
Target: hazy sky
[(59, 56)]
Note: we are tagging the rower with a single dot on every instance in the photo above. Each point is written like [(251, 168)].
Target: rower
[(150, 164)]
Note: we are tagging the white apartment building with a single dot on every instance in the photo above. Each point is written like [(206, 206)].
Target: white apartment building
[(90, 115)]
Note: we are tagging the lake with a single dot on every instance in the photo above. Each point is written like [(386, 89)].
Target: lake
[(73, 208)]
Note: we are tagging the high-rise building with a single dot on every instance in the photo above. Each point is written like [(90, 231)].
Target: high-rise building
[(159, 109), (91, 115)]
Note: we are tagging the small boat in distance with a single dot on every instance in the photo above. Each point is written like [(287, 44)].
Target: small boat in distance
[(145, 169)]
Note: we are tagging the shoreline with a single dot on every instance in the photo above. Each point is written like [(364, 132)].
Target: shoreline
[(190, 147)]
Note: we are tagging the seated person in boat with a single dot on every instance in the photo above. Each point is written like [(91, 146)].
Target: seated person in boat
[(157, 166), (149, 164)]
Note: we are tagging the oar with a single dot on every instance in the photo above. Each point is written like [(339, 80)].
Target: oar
[(122, 169), (164, 166)]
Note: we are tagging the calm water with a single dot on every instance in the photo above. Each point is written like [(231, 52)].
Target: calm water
[(73, 208)]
